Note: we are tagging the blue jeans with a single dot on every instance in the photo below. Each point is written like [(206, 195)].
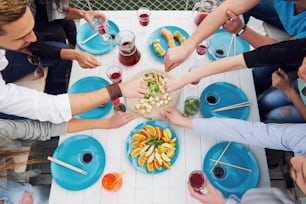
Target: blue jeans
[(273, 101), (19, 66), (266, 12)]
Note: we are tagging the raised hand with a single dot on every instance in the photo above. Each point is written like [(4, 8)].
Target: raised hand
[(90, 15)]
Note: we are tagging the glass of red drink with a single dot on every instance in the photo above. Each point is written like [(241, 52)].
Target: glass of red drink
[(203, 47), (201, 9), (114, 73), (198, 181), (143, 14), (199, 18)]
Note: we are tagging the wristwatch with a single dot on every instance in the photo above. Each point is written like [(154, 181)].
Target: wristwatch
[(242, 30)]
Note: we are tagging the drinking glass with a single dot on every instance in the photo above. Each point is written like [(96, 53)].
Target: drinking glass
[(203, 47), (103, 31), (194, 83), (192, 106), (114, 73), (198, 181), (109, 181), (143, 14)]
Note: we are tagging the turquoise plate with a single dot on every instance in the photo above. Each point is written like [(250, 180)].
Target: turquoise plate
[(71, 151), (96, 45), (227, 94), (87, 84), (156, 35), (130, 140), (221, 39), (232, 180)]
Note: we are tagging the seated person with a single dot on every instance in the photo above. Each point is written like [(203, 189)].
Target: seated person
[(287, 137), (16, 32), (290, 54), (286, 15)]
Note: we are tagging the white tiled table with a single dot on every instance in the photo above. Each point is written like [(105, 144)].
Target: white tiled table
[(170, 186)]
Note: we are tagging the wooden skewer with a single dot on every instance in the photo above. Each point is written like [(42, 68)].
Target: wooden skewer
[(117, 179), (232, 165), (230, 45), (89, 38), (238, 105), (220, 156), (69, 166)]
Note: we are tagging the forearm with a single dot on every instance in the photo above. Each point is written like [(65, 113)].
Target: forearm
[(256, 39), (216, 67), (82, 102), (74, 13), (76, 125), (297, 101), (69, 54), (217, 18)]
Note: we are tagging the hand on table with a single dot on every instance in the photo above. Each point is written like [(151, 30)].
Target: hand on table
[(90, 15), (234, 23), (173, 116), (281, 80), (133, 88), (175, 56), (86, 60), (213, 196), (121, 118)]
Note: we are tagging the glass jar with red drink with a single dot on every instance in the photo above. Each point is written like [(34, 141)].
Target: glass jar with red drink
[(198, 181), (202, 9), (128, 53)]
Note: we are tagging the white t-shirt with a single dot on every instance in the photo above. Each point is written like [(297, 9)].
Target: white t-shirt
[(29, 103)]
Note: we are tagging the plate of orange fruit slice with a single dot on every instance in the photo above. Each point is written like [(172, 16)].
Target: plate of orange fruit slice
[(152, 147)]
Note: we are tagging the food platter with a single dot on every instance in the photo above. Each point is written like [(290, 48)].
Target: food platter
[(163, 42), (152, 147), (155, 103)]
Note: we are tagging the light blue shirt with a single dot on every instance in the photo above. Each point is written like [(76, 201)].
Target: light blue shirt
[(287, 137), (295, 25)]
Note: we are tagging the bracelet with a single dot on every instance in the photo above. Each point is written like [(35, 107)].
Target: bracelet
[(242, 30), (114, 91)]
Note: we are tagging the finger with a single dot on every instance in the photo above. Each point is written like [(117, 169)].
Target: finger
[(231, 14)]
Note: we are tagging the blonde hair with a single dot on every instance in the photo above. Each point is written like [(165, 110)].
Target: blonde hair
[(10, 11)]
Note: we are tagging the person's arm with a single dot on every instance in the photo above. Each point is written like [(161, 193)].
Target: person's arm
[(287, 137), (208, 26), (235, 25)]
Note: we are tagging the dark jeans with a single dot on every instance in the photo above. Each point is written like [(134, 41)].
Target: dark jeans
[(18, 67)]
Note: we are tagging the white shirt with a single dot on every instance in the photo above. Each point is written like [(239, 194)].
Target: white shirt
[(29, 103)]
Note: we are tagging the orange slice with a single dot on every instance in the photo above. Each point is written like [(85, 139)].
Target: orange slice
[(144, 133), (166, 164), (138, 137), (159, 132), (151, 130), (142, 159), (167, 133), (135, 152), (156, 165), (135, 144), (149, 166)]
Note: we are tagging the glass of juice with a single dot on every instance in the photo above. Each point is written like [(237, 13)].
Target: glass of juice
[(109, 182), (143, 14), (198, 181), (114, 73), (203, 47), (192, 106)]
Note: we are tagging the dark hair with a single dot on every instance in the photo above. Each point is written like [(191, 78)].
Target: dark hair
[(10, 11)]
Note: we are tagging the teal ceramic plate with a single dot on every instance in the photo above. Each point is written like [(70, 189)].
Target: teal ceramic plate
[(71, 151), (156, 35), (221, 41), (130, 140), (227, 179), (87, 84), (96, 45), (225, 94)]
